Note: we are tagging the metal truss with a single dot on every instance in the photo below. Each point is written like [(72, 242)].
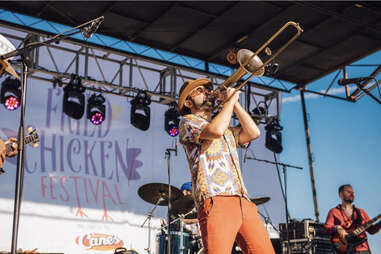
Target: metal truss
[(112, 72), (357, 90)]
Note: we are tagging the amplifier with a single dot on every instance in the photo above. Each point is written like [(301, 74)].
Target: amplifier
[(308, 246), (305, 229)]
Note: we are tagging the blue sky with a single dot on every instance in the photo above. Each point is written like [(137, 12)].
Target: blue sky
[(345, 140)]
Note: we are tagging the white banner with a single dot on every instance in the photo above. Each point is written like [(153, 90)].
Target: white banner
[(81, 183)]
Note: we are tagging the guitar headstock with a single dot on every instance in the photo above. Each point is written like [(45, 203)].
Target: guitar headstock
[(32, 137)]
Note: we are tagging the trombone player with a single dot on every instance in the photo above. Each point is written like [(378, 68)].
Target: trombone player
[(225, 212)]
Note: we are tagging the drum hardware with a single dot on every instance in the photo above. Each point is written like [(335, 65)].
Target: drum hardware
[(122, 250), (185, 205), (149, 217), (157, 194), (260, 200), (181, 218), (162, 243), (152, 192)]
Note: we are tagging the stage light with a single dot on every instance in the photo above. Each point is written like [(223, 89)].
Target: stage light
[(10, 95), (74, 99), (258, 114), (140, 116), (172, 120), (274, 136), (271, 69), (96, 109)]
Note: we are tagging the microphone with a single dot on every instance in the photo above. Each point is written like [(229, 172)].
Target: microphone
[(245, 156), (346, 81), (88, 31)]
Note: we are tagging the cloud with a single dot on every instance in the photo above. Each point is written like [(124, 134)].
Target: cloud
[(333, 91)]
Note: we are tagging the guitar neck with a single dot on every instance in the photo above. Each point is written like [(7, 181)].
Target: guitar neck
[(364, 227), (27, 140)]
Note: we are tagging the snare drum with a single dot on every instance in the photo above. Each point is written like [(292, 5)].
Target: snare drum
[(161, 243)]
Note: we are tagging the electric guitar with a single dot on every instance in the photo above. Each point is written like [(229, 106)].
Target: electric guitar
[(346, 245), (31, 138)]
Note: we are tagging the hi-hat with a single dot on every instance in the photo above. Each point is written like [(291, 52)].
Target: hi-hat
[(260, 200), (152, 192)]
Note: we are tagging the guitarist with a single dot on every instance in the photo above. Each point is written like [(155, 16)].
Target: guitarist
[(346, 217), (4, 154)]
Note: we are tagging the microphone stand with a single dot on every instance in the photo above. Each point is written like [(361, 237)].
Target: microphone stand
[(26, 63), (284, 191), (168, 156)]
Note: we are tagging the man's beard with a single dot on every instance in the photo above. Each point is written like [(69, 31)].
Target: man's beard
[(207, 105), (348, 200)]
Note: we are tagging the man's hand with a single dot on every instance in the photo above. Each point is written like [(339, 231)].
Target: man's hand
[(341, 232), (230, 94), (13, 141)]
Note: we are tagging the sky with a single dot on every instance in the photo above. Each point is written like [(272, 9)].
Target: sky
[(345, 141)]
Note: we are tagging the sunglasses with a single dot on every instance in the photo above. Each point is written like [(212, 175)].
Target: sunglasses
[(197, 91)]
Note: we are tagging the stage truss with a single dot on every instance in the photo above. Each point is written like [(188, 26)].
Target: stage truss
[(112, 72)]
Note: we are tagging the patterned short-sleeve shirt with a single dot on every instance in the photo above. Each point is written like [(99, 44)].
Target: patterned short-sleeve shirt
[(214, 164)]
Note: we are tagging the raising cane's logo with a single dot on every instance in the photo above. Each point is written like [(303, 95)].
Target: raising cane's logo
[(98, 241)]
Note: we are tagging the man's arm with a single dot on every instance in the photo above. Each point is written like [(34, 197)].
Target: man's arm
[(331, 228), (250, 130), (2, 153), (217, 127)]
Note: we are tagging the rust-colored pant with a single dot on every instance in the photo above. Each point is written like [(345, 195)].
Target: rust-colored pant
[(224, 219)]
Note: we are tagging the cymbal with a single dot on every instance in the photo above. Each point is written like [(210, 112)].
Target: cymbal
[(152, 192), (183, 205), (260, 200)]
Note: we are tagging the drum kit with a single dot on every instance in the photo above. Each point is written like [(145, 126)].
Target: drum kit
[(183, 207)]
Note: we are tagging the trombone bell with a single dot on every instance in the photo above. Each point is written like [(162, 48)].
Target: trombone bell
[(254, 65), (248, 64)]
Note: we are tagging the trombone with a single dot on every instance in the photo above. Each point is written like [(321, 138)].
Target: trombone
[(250, 62)]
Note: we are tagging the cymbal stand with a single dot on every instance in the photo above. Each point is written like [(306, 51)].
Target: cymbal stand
[(168, 155), (181, 217), (267, 220), (149, 217)]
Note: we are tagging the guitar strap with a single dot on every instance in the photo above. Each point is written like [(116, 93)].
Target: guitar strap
[(358, 220)]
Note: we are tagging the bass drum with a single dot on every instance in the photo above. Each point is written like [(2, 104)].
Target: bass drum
[(161, 243)]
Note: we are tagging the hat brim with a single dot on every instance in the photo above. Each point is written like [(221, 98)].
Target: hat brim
[(7, 67), (192, 84)]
